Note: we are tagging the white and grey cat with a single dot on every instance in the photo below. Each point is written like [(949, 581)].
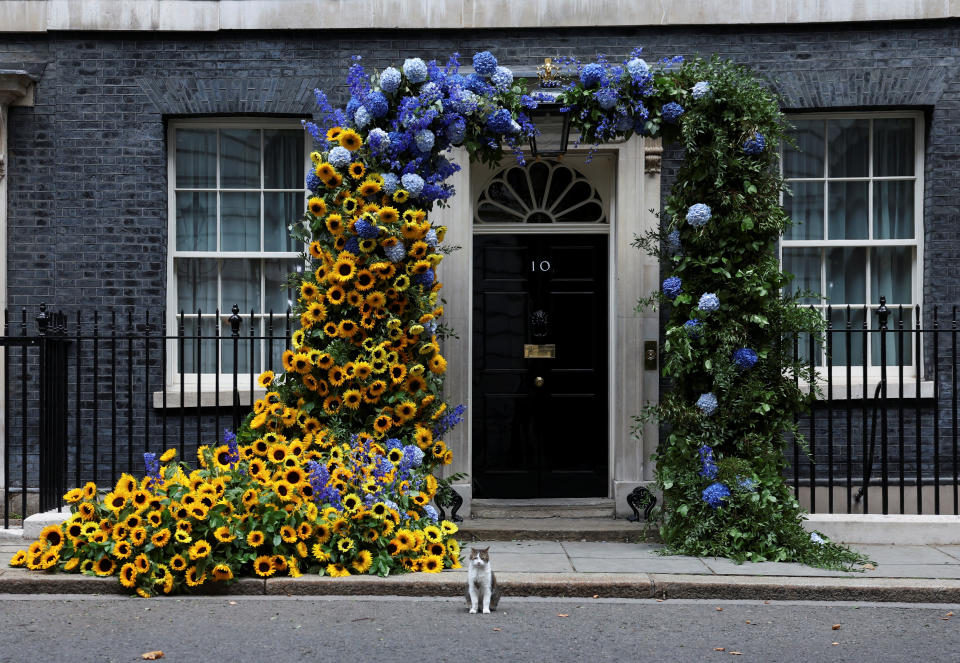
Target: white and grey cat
[(482, 587)]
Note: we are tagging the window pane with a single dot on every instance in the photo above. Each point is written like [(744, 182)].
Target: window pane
[(240, 221), (804, 264), (806, 160), (840, 338), (847, 276), (196, 158), (849, 148), (240, 159), (276, 295), (896, 343), (805, 206), (240, 285), (193, 345), (282, 159), (893, 151), (847, 214), (279, 211), (196, 220), (245, 344), (196, 284), (893, 209), (891, 274)]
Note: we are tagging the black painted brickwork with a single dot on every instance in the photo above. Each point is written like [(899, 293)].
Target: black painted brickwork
[(87, 185)]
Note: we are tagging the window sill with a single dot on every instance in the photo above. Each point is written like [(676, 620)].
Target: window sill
[(206, 398), (839, 390)]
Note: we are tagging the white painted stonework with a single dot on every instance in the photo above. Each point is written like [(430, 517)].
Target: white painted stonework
[(213, 15)]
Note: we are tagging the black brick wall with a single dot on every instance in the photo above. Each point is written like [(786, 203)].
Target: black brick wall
[(87, 186)]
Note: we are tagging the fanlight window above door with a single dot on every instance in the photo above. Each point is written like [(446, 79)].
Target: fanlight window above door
[(543, 192)]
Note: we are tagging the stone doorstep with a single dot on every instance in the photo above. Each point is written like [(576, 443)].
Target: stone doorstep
[(882, 529)]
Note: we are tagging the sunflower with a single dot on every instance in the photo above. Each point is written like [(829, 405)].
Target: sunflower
[(104, 566), (331, 404), (199, 550), (277, 452), (406, 410), (178, 562), (415, 384), (439, 449), (395, 547), (382, 423), (356, 170), (115, 502), (398, 372), (316, 206), (263, 566), (284, 490), (122, 550), (19, 558), (322, 532), (128, 575), (222, 572), (368, 188), (160, 538), (401, 283), (347, 328), (350, 140), (182, 536), (349, 205), (363, 562), (436, 548), (336, 295), (74, 530), (53, 535), (337, 571), (194, 578), (325, 171), (401, 196), (431, 564), (301, 363), (126, 485), (73, 495), (256, 538), (405, 539), (316, 312)]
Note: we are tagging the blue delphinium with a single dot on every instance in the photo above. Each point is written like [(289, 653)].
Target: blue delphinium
[(699, 214), (339, 157), (233, 451), (502, 78), (673, 241), (745, 358), (412, 183), (152, 469), (701, 90), (708, 302), (755, 144), (672, 286), (390, 80), (707, 403), (449, 420), (484, 63), (671, 112), (708, 467), (715, 494), (693, 327), (606, 97), (390, 183), (592, 74), (415, 70), (747, 484)]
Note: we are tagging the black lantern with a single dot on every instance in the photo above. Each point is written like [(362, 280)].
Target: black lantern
[(553, 125)]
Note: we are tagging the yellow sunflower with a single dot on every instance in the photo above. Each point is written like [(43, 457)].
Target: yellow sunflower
[(350, 140)]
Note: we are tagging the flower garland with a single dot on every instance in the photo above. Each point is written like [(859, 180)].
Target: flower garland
[(333, 471)]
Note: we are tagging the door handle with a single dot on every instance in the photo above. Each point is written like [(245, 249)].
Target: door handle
[(538, 381)]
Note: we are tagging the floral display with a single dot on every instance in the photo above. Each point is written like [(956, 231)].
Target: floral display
[(672, 286), (709, 302), (745, 358), (698, 215)]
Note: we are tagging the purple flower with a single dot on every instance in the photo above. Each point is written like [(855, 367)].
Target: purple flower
[(671, 112), (672, 287), (715, 494)]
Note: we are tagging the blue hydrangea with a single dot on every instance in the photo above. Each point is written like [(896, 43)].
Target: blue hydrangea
[(592, 74), (708, 467), (412, 183), (673, 241), (671, 112), (638, 67), (755, 144), (339, 157), (376, 103), (693, 328), (457, 131), (698, 215), (430, 93), (745, 358), (707, 403), (484, 63), (365, 229), (424, 279), (715, 494), (701, 90), (463, 101), (431, 513), (708, 302), (747, 484), (378, 140), (352, 105), (431, 238), (606, 97), (672, 287), (396, 252), (415, 70), (816, 538), (424, 140), (361, 117), (390, 183), (502, 78), (412, 456), (313, 182), (353, 246), (500, 121), (390, 80)]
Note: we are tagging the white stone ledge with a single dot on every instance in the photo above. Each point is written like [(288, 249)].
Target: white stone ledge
[(206, 398), (213, 15), (839, 390), (887, 529)]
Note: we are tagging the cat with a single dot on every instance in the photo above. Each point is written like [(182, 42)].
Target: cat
[(481, 582)]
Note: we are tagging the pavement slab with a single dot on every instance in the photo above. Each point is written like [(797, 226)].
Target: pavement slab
[(907, 554), (628, 565), (721, 566), (594, 549)]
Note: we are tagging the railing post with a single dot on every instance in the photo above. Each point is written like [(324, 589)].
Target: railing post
[(235, 335), (43, 443), (883, 314)]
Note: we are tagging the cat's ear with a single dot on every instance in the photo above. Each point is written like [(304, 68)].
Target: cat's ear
[(486, 550)]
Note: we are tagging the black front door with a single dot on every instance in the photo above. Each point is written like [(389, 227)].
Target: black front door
[(540, 366)]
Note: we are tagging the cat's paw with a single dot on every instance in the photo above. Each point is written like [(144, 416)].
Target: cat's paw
[(473, 611), (486, 611)]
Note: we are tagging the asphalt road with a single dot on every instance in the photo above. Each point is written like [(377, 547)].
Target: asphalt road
[(239, 629)]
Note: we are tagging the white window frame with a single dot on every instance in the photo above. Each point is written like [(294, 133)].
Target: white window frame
[(208, 380), (873, 371)]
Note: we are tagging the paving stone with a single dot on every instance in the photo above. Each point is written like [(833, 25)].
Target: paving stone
[(592, 549), (528, 563), (639, 565), (722, 566), (916, 571), (520, 547), (953, 551), (907, 554)]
